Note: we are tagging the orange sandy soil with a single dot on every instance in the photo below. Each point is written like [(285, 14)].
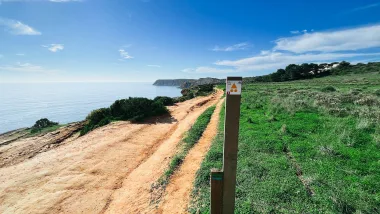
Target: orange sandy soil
[(177, 197), (109, 170)]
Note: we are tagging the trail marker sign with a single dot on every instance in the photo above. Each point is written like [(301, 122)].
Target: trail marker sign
[(233, 87), (223, 183)]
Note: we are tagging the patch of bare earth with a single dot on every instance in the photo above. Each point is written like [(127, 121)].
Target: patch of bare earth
[(109, 170), (17, 149), (178, 191)]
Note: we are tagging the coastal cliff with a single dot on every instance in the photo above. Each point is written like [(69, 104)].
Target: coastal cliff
[(172, 82), (188, 83)]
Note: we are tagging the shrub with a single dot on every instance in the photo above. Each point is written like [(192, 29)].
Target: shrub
[(179, 99), (185, 92), (166, 101), (41, 124), (206, 88), (136, 109), (133, 109), (328, 89), (97, 118), (377, 92)]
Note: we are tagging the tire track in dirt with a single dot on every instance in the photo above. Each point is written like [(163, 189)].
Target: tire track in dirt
[(177, 194), (84, 175), (134, 196)]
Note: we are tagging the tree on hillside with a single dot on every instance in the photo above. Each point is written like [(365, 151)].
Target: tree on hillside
[(293, 71)]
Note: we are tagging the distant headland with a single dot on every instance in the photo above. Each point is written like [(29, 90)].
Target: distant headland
[(187, 83)]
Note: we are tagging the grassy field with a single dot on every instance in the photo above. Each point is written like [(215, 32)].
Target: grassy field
[(310, 146)]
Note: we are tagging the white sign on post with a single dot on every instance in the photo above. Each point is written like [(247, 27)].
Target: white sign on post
[(233, 87)]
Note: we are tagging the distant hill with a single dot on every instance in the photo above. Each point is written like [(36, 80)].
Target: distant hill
[(290, 73), (187, 83), (310, 70), (172, 82)]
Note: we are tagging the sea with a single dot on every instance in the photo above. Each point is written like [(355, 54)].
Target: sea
[(21, 104)]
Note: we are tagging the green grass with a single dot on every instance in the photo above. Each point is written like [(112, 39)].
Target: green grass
[(45, 130), (333, 136), (190, 139)]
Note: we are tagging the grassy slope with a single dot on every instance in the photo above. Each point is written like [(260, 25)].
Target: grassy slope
[(334, 138)]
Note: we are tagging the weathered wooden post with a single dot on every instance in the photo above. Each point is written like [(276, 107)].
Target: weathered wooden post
[(231, 134), (223, 182), (216, 181)]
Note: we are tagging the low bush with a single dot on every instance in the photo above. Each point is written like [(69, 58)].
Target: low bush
[(377, 92), (166, 101), (97, 118), (136, 109), (328, 89), (132, 109), (41, 124)]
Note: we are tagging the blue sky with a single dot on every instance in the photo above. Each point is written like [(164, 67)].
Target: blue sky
[(144, 40)]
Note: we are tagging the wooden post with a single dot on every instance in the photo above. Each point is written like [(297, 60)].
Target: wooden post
[(231, 134), (216, 191)]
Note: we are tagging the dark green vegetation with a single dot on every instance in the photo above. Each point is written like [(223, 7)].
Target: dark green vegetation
[(311, 70), (166, 101), (43, 124), (132, 109), (199, 90), (190, 139), (304, 148), (138, 108)]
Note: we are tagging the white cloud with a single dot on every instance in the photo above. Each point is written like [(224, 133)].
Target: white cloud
[(295, 32), (17, 27), (124, 54), (275, 60), (156, 66), (54, 47), (338, 40), (235, 47), (26, 67)]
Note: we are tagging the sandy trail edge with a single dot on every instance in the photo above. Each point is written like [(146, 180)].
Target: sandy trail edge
[(179, 189), (134, 196), (87, 174)]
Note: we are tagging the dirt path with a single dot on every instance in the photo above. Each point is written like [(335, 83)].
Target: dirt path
[(105, 171), (178, 191)]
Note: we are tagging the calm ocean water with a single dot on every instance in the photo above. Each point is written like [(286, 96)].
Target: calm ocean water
[(21, 104)]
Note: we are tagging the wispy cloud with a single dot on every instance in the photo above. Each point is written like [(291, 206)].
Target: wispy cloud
[(365, 7), (156, 66), (17, 27), (313, 47), (124, 54), (295, 32), (54, 47), (27, 67), (272, 61), (276, 60), (338, 40), (235, 47)]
